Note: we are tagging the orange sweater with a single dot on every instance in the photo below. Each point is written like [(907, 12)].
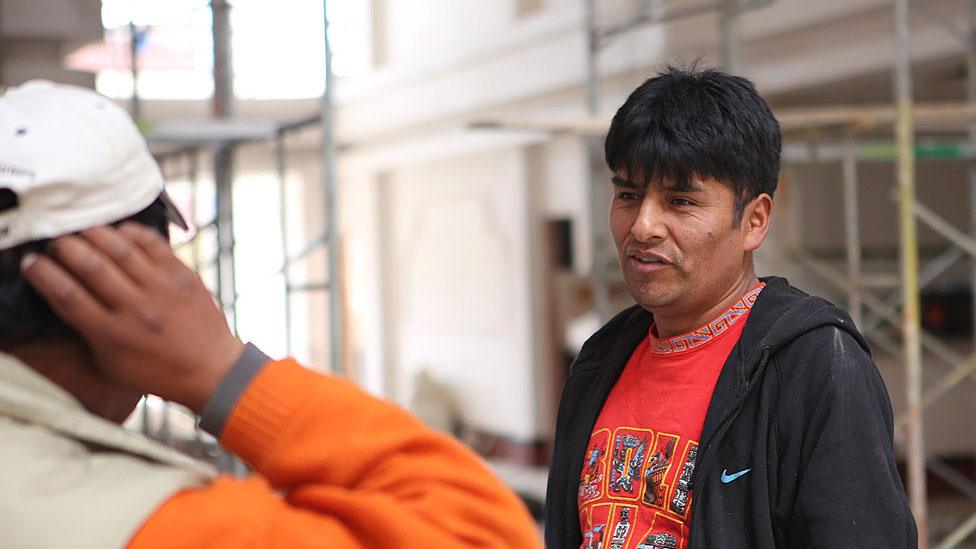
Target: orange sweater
[(338, 468)]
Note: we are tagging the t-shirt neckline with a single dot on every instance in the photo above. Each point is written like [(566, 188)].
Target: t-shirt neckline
[(707, 333)]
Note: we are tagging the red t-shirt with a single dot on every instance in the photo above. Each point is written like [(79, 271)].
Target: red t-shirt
[(633, 491)]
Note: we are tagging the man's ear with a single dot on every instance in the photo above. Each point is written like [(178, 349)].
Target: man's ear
[(755, 221)]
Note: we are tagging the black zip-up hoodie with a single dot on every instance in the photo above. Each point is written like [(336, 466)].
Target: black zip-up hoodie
[(799, 402)]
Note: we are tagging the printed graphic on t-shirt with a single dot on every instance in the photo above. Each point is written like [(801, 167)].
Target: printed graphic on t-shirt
[(595, 467), (629, 453), (623, 526), (659, 535), (655, 489), (679, 502), (648, 480), (594, 522)]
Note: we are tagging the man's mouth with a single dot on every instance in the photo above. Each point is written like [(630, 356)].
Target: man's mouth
[(647, 263), (649, 259), (643, 259)]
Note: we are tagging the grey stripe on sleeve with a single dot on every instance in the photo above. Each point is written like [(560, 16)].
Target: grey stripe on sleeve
[(222, 402)]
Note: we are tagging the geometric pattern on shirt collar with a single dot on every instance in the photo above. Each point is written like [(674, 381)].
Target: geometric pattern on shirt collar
[(701, 336)]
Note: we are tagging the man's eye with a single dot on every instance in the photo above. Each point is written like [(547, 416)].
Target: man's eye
[(682, 202), (627, 196)]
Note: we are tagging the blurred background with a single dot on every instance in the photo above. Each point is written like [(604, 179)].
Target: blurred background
[(419, 202)]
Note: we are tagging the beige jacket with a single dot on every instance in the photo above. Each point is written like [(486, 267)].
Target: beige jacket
[(71, 479)]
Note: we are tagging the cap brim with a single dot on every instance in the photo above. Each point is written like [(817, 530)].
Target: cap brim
[(172, 213)]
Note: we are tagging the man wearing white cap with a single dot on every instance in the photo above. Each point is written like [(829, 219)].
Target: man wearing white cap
[(335, 467)]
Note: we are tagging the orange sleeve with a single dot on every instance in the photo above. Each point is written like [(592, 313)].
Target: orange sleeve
[(338, 468)]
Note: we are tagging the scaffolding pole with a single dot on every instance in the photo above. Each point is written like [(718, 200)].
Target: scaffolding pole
[(960, 534), (134, 70), (908, 243), (852, 231), (968, 526), (280, 165), (2, 63), (970, 41), (223, 173), (330, 186), (223, 161), (223, 97), (598, 245)]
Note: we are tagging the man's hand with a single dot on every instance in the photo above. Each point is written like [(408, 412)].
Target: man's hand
[(149, 320)]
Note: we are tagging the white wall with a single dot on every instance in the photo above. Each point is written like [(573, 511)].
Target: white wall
[(416, 28), (458, 261), (565, 191)]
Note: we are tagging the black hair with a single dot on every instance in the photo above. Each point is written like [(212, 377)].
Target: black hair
[(24, 315), (704, 123)]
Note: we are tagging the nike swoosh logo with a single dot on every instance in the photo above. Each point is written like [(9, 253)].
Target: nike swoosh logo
[(727, 478)]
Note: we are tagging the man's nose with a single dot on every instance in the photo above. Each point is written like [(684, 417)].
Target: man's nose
[(649, 224)]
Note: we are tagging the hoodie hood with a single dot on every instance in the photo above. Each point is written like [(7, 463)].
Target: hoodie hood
[(782, 314)]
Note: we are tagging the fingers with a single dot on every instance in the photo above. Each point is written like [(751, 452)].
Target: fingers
[(125, 253), (151, 243), (99, 274), (69, 299), (165, 262)]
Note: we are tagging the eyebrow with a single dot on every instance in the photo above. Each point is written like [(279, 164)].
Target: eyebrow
[(691, 187), (621, 182)]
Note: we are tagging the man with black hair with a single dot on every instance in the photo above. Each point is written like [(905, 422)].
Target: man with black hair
[(723, 410), (335, 467)]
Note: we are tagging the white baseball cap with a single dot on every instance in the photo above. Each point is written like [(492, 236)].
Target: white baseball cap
[(70, 159)]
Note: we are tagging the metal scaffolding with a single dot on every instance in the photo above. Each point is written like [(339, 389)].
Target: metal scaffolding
[(220, 138), (278, 134), (184, 164), (909, 423), (911, 325)]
